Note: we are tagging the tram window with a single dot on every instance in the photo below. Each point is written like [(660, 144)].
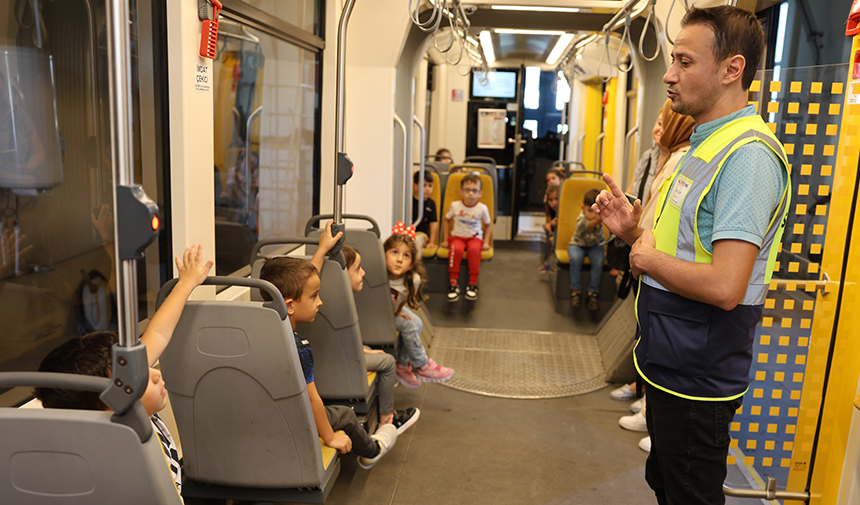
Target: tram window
[(266, 98), (303, 13), (55, 175)]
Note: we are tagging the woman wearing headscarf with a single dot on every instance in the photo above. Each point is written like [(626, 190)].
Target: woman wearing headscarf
[(677, 129)]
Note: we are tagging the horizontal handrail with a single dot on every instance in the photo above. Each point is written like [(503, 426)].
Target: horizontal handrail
[(769, 493), (820, 285)]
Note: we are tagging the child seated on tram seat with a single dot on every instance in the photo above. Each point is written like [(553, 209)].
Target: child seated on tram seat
[(91, 355), (464, 219), (428, 229), (379, 361), (586, 242), (406, 276), (298, 280), (551, 199)]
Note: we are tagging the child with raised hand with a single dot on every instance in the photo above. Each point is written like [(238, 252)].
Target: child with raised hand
[(91, 355), (378, 361), (406, 276), (551, 199), (298, 281), (586, 242), (464, 226)]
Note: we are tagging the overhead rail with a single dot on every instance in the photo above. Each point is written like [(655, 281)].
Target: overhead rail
[(624, 17), (459, 24)]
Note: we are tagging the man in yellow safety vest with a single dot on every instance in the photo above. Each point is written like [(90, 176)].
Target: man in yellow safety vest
[(705, 267)]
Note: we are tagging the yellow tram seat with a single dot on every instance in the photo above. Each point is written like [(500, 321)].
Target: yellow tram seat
[(572, 192), (452, 193), (436, 196)]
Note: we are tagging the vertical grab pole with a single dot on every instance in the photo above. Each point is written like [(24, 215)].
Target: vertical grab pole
[(135, 226), (420, 169), (399, 122), (121, 145), (341, 162), (562, 134), (248, 124)]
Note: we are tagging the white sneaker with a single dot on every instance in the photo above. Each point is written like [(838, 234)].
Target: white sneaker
[(636, 422), (385, 436), (645, 444), (636, 407), (623, 393)]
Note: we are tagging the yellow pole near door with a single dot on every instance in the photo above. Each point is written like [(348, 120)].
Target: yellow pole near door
[(593, 108)]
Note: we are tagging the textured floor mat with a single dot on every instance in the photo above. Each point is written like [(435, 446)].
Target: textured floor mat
[(519, 364)]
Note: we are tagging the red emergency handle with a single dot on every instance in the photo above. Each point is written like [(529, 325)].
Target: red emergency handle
[(853, 27), (209, 36)]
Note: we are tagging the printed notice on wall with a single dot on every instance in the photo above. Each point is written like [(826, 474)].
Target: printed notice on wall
[(202, 77), (492, 133), (853, 93), (457, 95)]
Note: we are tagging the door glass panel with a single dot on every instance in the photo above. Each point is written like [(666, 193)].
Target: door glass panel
[(803, 106), (266, 103), (56, 229), (303, 13)]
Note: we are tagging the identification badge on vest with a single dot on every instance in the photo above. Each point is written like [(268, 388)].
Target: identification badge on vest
[(679, 191)]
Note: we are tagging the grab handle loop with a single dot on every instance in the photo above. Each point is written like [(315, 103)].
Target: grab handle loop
[(625, 36), (649, 21), (605, 57)]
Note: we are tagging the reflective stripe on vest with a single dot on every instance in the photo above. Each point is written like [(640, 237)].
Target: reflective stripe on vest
[(676, 221)]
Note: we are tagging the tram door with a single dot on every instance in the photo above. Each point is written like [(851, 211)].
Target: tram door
[(783, 429)]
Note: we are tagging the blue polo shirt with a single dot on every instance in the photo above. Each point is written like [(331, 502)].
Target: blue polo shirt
[(746, 192)]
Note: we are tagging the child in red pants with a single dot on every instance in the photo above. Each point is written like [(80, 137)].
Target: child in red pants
[(463, 231)]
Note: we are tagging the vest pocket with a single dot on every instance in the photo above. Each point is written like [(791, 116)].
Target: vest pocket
[(678, 333)]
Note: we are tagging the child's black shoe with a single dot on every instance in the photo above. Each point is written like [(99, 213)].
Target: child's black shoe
[(471, 292), (453, 293)]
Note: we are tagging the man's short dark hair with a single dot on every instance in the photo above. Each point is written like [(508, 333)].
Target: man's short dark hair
[(87, 355), (428, 177), (289, 275), (590, 196), (473, 178), (736, 31)]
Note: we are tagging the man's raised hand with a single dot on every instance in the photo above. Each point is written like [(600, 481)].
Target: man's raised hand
[(617, 213)]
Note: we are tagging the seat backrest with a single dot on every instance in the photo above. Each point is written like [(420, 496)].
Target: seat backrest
[(452, 193), (233, 243), (340, 372), (373, 302), (240, 399), (79, 457), (488, 169), (572, 192)]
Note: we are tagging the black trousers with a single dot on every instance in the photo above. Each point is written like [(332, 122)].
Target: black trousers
[(689, 445), (343, 418)]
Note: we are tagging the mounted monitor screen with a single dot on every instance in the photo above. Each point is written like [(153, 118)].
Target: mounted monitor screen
[(499, 84)]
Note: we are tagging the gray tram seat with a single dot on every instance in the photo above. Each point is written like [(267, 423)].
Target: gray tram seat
[(373, 302), (79, 457), (335, 336), (241, 404), (441, 168)]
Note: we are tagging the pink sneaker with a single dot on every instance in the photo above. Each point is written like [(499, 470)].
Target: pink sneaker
[(406, 377), (433, 372)]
